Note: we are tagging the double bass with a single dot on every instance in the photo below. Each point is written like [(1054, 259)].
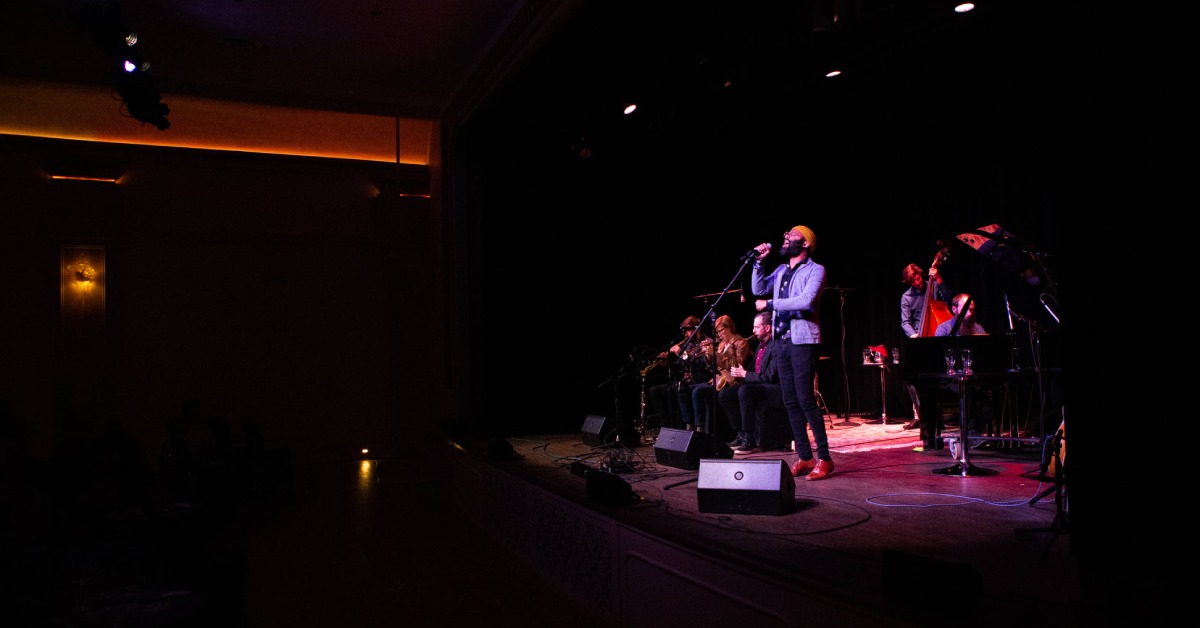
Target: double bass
[(935, 311)]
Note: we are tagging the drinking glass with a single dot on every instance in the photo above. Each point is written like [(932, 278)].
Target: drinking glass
[(895, 355), (967, 357), (951, 356)]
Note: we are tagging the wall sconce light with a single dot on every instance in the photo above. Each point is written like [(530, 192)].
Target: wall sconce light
[(82, 290), (83, 272)]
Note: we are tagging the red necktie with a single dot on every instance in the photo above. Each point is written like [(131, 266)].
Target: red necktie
[(758, 358)]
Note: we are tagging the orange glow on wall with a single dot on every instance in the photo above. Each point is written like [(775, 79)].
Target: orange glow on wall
[(70, 112)]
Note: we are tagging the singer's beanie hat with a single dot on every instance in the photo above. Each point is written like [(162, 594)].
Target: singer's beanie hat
[(809, 237)]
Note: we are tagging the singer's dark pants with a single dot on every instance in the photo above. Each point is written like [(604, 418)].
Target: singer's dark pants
[(797, 378)]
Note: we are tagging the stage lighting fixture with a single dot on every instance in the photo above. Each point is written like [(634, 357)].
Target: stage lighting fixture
[(132, 61), (142, 99), (130, 66)]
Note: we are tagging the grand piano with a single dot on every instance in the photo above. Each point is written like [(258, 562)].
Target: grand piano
[(1024, 354), (1002, 363)]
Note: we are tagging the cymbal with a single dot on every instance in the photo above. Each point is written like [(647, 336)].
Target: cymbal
[(717, 294)]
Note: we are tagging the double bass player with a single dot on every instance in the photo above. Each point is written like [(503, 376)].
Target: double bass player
[(914, 300), (922, 310)]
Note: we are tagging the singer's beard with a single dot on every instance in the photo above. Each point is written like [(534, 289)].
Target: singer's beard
[(790, 249)]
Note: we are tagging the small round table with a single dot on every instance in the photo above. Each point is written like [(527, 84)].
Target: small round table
[(882, 366)]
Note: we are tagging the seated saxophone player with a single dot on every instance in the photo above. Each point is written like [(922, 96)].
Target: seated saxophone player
[(664, 398), (732, 351)]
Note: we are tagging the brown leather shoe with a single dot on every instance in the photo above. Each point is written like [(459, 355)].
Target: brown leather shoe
[(821, 471), (800, 467)]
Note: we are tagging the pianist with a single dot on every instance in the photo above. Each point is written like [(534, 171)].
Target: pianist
[(945, 393), (969, 326)]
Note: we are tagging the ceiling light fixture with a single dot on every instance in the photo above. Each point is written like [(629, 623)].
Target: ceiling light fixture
[(134, 65), (131, 69), (139, 91)]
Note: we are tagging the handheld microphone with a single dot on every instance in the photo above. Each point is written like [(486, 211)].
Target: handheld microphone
[(753, 253)]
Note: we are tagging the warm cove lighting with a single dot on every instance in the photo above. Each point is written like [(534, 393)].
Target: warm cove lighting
[(69, 112), (65, 177)]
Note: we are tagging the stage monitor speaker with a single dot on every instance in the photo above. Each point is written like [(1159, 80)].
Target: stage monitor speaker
[(683, 449), (598, 431), (607, 489), (746, 487)]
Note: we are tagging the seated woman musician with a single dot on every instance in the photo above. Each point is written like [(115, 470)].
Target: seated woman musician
[(732, 350)]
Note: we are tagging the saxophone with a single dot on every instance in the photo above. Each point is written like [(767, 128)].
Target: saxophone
[(659, 361), (723, 376)]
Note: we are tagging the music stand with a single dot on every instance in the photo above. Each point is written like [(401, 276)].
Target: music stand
[(631, 432)]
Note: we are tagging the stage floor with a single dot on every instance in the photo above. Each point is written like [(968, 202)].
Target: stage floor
[(886, 531)]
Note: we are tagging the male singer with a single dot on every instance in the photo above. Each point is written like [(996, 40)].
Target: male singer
[(795, 288)]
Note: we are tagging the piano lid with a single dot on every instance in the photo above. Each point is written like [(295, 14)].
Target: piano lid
[(1019, 274)]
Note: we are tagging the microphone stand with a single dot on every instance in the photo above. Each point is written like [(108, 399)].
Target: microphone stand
[(622, 427), (845, 422)]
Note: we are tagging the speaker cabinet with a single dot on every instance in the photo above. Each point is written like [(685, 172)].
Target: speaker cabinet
[(683, 449), (598, 431), (746, 487), (607, 489)]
